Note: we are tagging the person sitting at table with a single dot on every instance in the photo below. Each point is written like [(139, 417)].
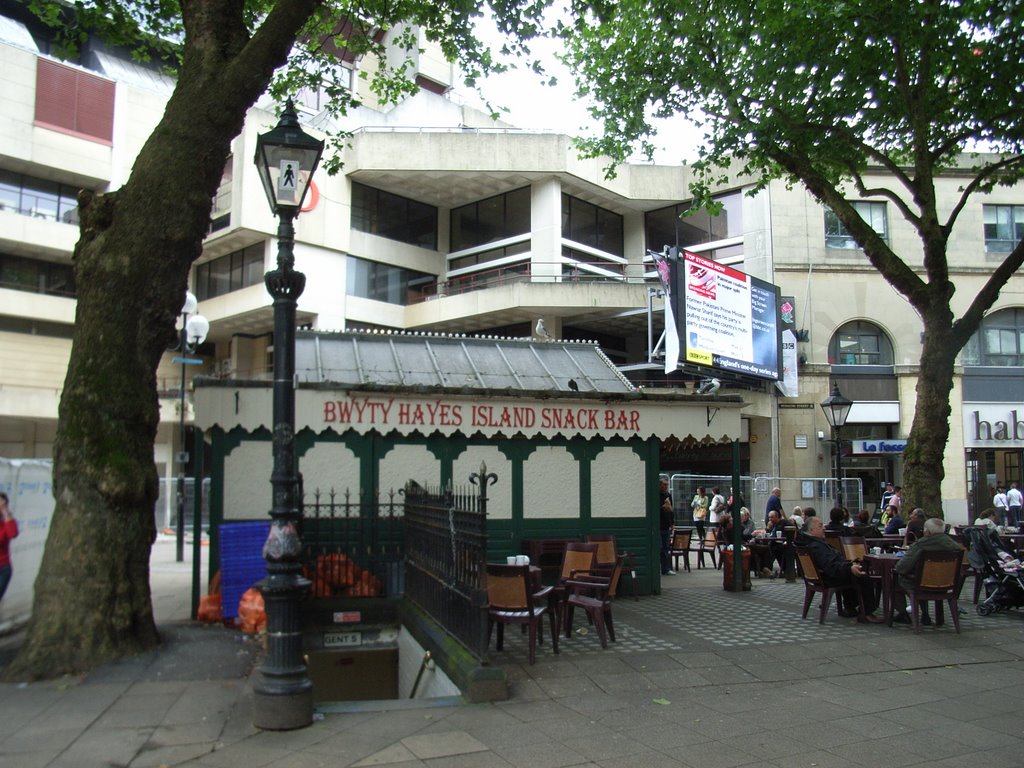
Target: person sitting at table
[(763, 550), (915, 526), (836, 522), (934, 539), (836, 571), (987, 518), (797, 518), (863, 526), (809, 512), (895, 521), (747, 523)]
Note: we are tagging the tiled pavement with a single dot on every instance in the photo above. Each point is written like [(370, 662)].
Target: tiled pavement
[(699, 677)]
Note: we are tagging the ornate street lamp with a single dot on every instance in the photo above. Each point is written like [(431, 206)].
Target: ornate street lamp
[(837, 410), (286, 158), (194, 328)]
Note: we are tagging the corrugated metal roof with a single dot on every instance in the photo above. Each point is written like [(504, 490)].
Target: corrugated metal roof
[(415, 360)]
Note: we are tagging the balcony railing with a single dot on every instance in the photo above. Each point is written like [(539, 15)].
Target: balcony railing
[(590, 273)]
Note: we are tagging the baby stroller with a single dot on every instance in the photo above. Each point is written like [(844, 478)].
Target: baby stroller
[(1002, 572)]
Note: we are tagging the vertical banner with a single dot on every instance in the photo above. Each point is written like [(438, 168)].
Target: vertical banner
[(667, 270), (788, 385)]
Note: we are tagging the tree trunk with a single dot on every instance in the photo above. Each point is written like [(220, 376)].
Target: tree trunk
[(923, 467), (92, 596)]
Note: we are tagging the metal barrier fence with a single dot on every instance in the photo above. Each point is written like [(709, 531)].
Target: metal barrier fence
[(818, 492), (446, 552), (353, 546), (166, 510)]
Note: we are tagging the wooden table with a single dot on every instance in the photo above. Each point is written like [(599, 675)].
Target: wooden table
[(884, 565)]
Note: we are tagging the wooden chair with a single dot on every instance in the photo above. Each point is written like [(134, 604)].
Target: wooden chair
[(593, 594), (852, 547), (510, 600), (607, 554), (709, 544), (834, 540), (680, 547), (813, 584), (938, 579)]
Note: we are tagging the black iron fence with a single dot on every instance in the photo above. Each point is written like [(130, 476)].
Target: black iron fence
[(428, 543), (446, 552), (353, 544)]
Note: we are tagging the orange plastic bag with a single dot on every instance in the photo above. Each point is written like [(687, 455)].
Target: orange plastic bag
[(252, 614), (211, 608)]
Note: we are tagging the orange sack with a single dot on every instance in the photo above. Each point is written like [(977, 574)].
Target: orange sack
[(252, 614)]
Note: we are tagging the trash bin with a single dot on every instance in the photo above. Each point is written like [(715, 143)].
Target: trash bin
[(727, 561)]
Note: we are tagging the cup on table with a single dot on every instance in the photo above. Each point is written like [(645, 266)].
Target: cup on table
[(903, 531), (511, 560), (522, 560), (876, 550)]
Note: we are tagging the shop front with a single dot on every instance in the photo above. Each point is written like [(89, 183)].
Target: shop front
[(575, 447)]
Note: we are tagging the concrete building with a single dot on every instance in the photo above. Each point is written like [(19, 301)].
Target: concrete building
[(443, 220)]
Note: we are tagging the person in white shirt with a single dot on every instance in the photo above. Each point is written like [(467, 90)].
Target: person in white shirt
[(717, 506), (999, 501), (1014, 501)]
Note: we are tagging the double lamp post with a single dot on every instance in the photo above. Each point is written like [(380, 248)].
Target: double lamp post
[(192, 333), (286, 158)]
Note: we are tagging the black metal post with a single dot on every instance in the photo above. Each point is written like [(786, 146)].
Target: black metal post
[(283, 694), (179, 540), (839, 468)]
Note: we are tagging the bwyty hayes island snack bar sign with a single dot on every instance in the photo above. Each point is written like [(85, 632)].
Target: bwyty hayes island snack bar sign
[(363, 412)]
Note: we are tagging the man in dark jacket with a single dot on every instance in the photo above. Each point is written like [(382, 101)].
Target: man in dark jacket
[(667, 520), (934, 539), (836, 571)]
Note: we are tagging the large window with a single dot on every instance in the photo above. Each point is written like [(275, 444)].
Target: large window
[(836, 235), (491, 220), (36, 276), (230, 273), (999, 341), (383, 282), (40, 198), (1004, 227), (587, 224), (672, 226), (860, 343), (73, 101), (393, 216)]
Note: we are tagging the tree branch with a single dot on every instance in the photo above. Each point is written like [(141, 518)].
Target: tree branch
[(969, 322)]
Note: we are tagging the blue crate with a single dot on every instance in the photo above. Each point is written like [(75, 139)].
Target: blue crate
[(241, 561)]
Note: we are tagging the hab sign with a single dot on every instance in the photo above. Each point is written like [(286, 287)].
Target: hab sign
[(729, 319)]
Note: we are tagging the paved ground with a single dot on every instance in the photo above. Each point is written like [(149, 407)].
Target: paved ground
[(699, 677)]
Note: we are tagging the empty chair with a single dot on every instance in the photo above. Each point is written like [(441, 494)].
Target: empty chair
[(708, 543), (680, 547), (607, 554), (593, 594), (510, 600)]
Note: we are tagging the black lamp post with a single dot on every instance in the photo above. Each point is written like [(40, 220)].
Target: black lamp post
[(837, 410), (194, 328), (286, 158)]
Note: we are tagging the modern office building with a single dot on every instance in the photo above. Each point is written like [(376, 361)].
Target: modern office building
[(444, 221)]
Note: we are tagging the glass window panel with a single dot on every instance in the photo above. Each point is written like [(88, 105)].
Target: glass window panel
[(660, 228), (10, 191), (463, 227), (220, 276), (517, 212), (860, 343), (253, 268), (490, 220)]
